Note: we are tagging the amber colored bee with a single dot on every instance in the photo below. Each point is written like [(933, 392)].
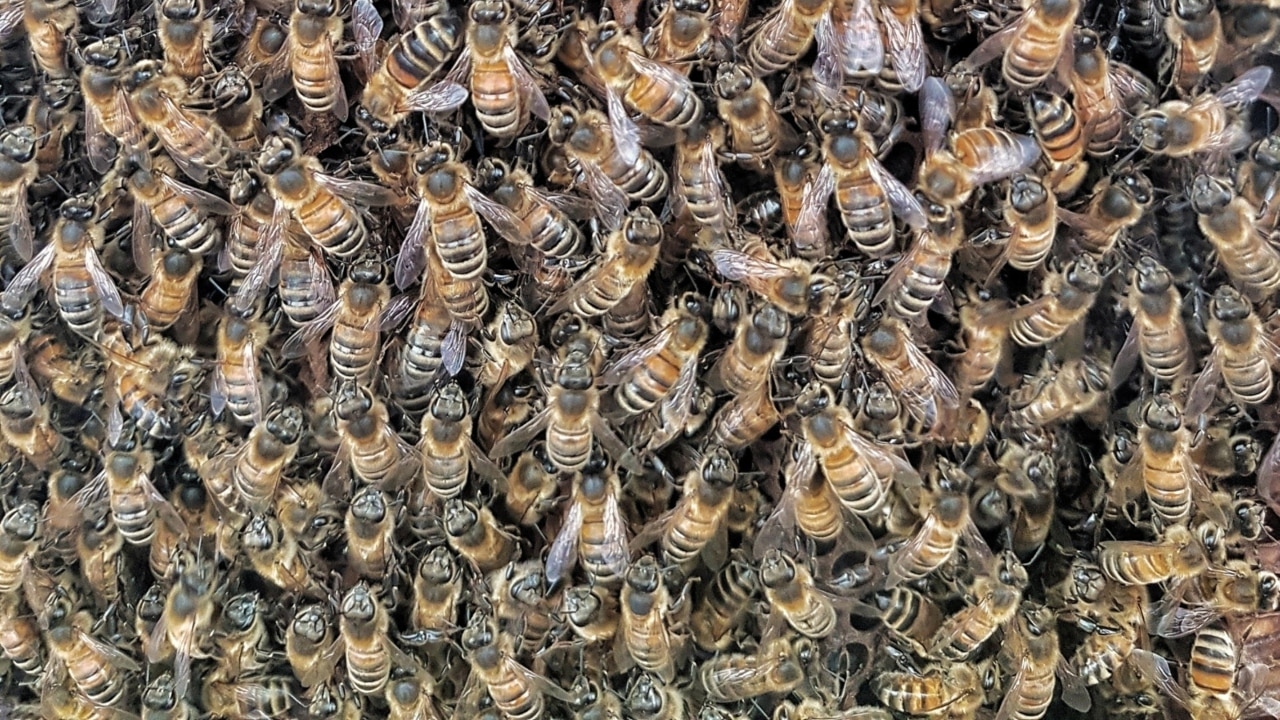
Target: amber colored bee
[(475, 534), (1158, 330), (275, 555), (790, 591), (183, 214), (82, 289), (100, 550), (1099, 97), (790, 283), (446, 217), (947, 520), (646, 85), (1243, 354), (246, 231), (363, 626), (135, 504), (237, 376), (146, 382), (786, 34), (531, 486), (525, 214), (1062, 136), (517, 692), (401, 84), (522, 608), (241, 636), (642, 627), (998, 595), (662, 370), (1031, 214), (956, 689), (630, 254), (594, 531), (18, 170), (237, 106), (315, 32), (1194, 31), (375, 452), (53, 114), (592, 613), (793, 172), (187, 621), (257, 467), (171, 290), (26, 426), (1065, 299), (778, 666), (1228, 222), (185, 36), (596, 152), (196, 144), (270, 696), (1177, 555), (311, 645), (108, 116), (437, 592), (435, 345), (1056, 393), (1207, 122), (1117, 204), (99, 671), (723, 603), (447, 450), (699, 184), (19, 538), (355, 317), (69, 376), (370, 527), (928, 394), (681, 30), (755, 130), (466, 299), (20, 638), (1033, 47), (502, 89), (508, 345)]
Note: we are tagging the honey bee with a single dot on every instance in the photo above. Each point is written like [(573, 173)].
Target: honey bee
[(311, 645), (237, 377), (650, 698), (69, 376), (502, 89), (20, 639), (185, 36), (377, 455), (699, 184), (681, 31), (592, 613), (171, 290), (642, 627), (955, 165), (108, 116), (793, 174), (437, 591), (1061, 133), (1242, 357), (257, 467), (1194, 32), (508, 345), (594, 531), (49, 25), (363, 626), (434, 346), (98, 670), (723, 603), (26, 426), (630, 254), (475, 534), (1030, 211), (998, 594), (184, 214), (516, 691), (149, 382), (248, 225), (525, 214), (909, 615), (867, 195), (237, 106), (790, 591), (241, 636), (100, 550), (1179, 554), (531, 486), (187, 620), (53, 114), (1096, 83), (905, 58), (315, 31), (1208, 122), (19, 539), (82, 289), (1033, 650), (791, 284), (755, 130), (947, 520), (446, 216), (1227, 221), (447, 450), (466, 299), (633, 80), (777, 667), (598, 154), (522, 608), (786, 34), (927, 393), (1058, 393), (362, 307), (194, 141), (401, 85), (1033, 45), (370, 526), (269, 696), (410, 694), (275, 555), (952, 690), (323, 206), (135, 504), (18, 170), (1157, 333), (920, 275), (160, 701), (1117, 204), (984, 333), (1065, 298)]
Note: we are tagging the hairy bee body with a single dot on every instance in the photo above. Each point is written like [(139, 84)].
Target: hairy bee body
[(411, 61)]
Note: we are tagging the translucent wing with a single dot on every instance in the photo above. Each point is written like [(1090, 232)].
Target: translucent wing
[(614, 551), (311, 333), (23, 286), (99, 145), (453, 351), (366, 27), (812, 217), (944, 398), (444, 96), (510, 226), (527, 84), (396, 312), (937, 108), (906, 47), (904, 203), (171, 139), (1246, 88), (634, 357), (1205, 387), (826, 67), (205, 201), (364, 193), (271, 253), (11, 17), (21, 233), (564, 550), (106, 287), (676, 407), (611, 201), (143, 246), (626, 135), (1016, 153), (412, 259), (858, 37), (519, 438)]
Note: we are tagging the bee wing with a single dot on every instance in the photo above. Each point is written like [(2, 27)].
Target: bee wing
[(564, 549), (333, 78), (11, 17), (23, 286), (675, 409), (540, 683), (364, 193), (812, 218), (106, 287), (519, 438), (1126, 358), (609, 440), (859, 40), (738, 266), (109, 653), (827, 69), (779, 529), (1205, 387), (270, 255), (944, 397), (310, 333), (182, 127), (144, 238), (1246, 88), (912, 548), (648, 66), (205, 201), (453, 351), (21, 233), (366, 26), (91, 494), (882, 455), (1156, 668), (906, 48), (614, 550), (396, 312), (510, 226), (441, 97), (482, 465), (937, 109), (623, 364), (626, 134), (460, 73), (576, 207), (1017, 153), (611, 201), (412, 258), (1014, 690), (527, 84), (897, 276), (904, 204)]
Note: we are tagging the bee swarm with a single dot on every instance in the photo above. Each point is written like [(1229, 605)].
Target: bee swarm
[(807, 360)]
